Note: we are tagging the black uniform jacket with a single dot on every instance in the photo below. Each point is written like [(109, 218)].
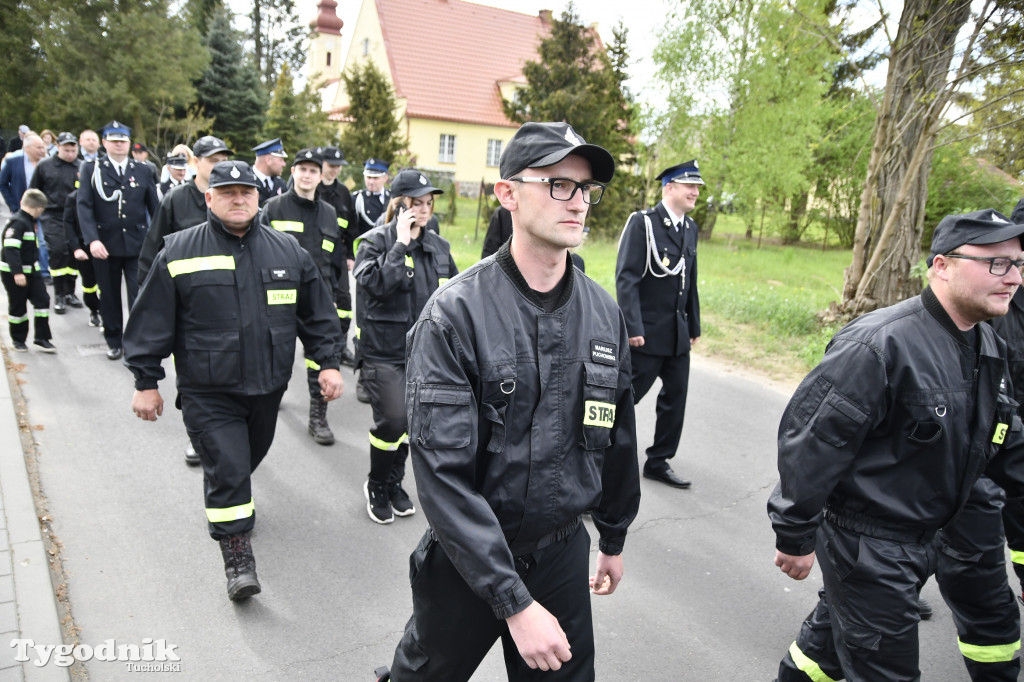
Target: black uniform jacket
[(519, 421), (314, 224), (184, 206), (1010, 328), (339, 197), (663, 310), (894, 426), (279, 188), (119, 224), (20, 250), (393, 283), (72, 230), (55, 178), (229, 308)]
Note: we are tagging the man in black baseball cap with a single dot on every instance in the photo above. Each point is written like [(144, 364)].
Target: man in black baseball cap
[(226, 299), (336, 194), (884, 442), (314, 224), (498, 503)]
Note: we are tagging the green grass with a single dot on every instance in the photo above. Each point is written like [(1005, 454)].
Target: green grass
[(759, 306)]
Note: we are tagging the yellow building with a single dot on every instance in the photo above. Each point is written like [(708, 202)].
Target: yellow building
[(450, 64)]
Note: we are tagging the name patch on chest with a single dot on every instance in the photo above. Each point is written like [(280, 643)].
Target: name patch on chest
[(604, 352), (281, 296), (278, 273)]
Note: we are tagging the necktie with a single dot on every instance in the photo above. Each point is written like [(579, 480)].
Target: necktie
[(120, 173), (270, 186)]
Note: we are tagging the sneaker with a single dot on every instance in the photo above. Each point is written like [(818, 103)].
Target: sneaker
[(400, 502), (73, 301), (377, 504), (382, 674), (19, 346), (44, 346), (58, 305), (191, 456), (94, 319)]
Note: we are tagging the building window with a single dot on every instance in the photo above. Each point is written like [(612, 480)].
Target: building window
[(328, 59), (493, 152), (366, 46), (446, 154)]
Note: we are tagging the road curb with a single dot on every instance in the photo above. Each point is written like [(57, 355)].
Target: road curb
[(34, 593)]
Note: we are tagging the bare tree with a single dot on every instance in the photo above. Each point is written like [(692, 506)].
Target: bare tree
[(918, 90)]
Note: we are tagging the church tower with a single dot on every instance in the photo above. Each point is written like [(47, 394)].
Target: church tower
[(325, 58)]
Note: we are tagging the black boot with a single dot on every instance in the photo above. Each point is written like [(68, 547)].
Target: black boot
[(239, 567), (318, 427), (58, 304), (361, 394), (347, 358)]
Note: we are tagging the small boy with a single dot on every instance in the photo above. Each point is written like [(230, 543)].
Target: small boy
[(19, 271)]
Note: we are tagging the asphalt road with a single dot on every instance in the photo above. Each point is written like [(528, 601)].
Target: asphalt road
[(700, 600)]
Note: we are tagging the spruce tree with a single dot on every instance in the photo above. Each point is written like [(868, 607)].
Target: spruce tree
[(230, 89), (373, 130)]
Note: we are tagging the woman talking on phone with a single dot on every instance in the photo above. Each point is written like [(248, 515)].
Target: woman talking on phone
[(398, 266)]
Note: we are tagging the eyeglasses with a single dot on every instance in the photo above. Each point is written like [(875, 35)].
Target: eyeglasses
[(997, 266), (564, 189)]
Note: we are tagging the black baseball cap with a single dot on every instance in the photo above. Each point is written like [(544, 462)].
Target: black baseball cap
[(308, 156), (333, 156), (233, 173), (66, 138), (536, 145), (139, 147), (208, 145), (987, 226), (412, 183)]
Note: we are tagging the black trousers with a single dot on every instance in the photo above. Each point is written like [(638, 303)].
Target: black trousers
[(970, 569), (385, 384), (109, 274), (63, 267), (674, 372), (90, 290), (232, 434), (18, 298), (451, 629)]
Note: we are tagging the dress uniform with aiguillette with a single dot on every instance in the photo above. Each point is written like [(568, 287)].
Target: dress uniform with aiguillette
[(368, 206), (656, 282), (228, 302), (115, 203), (270, 185)]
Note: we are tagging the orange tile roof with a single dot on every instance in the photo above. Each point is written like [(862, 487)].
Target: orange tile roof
[(447, 57)]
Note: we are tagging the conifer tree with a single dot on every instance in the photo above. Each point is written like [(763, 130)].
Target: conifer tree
[(374, 129)]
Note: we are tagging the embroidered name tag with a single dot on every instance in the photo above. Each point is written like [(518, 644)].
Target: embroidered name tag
[(603, 352), (278, 273)]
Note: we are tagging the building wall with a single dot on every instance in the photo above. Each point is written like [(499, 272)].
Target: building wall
[(470, 165), (320, 45)]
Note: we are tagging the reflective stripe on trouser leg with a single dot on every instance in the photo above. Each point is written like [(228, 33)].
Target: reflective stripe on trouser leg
[(992, 653), (225, 514), (807, 666)]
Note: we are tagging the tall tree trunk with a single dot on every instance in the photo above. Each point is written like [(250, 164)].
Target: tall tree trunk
[(890, 220)]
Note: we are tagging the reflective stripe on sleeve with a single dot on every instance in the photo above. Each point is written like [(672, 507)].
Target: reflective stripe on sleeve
[(345, 314), (993, 653), (807, 666), (189, 265), (242, 511), (12, 243), (311, 365)]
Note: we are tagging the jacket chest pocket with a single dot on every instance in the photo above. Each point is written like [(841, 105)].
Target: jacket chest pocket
[(599, 385), (213, 358), (282, 290), (212, 293), (933, 415)]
